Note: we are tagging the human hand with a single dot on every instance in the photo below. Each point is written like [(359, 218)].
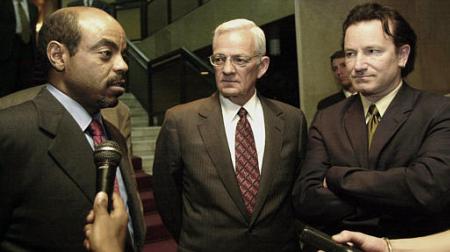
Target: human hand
[(362, 241), (106, 232)]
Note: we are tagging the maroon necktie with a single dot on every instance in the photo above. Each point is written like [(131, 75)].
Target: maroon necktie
[(247, 171), (96, 130)]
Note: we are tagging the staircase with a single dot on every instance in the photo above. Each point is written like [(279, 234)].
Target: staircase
[(143, 139)]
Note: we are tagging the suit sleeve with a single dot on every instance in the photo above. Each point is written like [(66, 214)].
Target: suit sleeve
[(167, 172), (423, 183), (312, 201)]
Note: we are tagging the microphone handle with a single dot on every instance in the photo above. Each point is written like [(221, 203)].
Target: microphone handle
[(106, 174)]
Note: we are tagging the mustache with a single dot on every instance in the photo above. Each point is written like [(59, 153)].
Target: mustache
[(118, 80)]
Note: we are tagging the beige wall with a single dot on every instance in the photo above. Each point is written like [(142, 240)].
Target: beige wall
[(194, 30), (319, 35)]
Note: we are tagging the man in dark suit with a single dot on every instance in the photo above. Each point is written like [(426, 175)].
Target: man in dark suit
[(380, 161), (337, 61), (92, 3), (212, 194), (17, 44), (47, 171), (119, 115)]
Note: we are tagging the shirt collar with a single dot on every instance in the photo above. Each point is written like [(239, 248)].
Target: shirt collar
[(347, 93), (230, 109), (79, 114), (383, 103)]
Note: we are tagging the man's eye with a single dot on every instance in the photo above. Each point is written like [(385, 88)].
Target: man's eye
[(240, 60), (219, 59), (106, 54), (349, 54)]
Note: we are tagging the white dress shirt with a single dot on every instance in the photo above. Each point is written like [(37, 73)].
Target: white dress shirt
[(255, 116)]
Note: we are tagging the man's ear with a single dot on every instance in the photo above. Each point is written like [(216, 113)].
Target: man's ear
[(403, 54), (263, 66), (56, 53)]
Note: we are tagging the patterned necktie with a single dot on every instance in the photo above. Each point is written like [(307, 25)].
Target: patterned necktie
[(374, 119), (247, 171), (95, 129), (26, 33)]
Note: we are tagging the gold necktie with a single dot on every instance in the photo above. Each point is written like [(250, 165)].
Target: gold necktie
[(26, 33), (374, 119)]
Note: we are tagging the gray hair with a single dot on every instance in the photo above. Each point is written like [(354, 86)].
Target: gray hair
[(244, 24)]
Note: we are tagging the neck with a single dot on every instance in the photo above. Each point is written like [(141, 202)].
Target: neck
[(243, 99), (377, 97), (349, 89)]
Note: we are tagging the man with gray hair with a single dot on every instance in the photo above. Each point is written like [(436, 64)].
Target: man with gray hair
[(225, 165)]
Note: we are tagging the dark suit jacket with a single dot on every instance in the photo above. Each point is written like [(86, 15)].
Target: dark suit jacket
[(400, 188), (8, 26), (330, 100), (119, 115), (96, 3), (48, 178), (196, 189)]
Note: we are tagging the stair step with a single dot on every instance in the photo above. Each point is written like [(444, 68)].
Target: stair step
[(139, 121), (143, 180), (148, 201), (156, 228), (147, 164), (145, 131), (144, 147), (161, 246), (138, 113)]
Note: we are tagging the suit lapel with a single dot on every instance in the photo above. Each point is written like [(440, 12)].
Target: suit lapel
[(69, 146), (395, 116), (212, 132), (356, 129), (274, 125)]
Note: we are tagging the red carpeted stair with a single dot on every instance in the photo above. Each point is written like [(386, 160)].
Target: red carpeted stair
[(158, 239)]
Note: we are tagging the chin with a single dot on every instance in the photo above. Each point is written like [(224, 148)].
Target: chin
[(108, 103), (229, 93)]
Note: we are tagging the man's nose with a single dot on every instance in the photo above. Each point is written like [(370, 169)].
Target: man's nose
[(228, 67), (120, 65), (360, 62)]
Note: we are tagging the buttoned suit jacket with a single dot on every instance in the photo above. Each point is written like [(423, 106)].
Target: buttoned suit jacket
[(331, 100), (48, 178), (400, 188), (195, 185)]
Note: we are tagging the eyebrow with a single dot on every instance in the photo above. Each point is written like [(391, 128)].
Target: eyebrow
[(105, 42)]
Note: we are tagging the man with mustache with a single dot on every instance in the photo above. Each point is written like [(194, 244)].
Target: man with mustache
[(47, 171), (225, 165), (379, 162)]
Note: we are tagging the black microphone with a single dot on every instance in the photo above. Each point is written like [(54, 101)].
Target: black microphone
[(322, 241), (107, 157)]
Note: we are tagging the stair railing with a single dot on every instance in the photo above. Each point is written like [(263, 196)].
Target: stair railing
[(198, 67)]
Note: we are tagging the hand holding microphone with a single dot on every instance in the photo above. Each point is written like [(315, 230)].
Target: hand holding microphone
[(107, 222), (106, 232)]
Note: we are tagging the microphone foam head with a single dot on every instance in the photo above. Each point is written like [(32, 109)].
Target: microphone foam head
[(108, 151)]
